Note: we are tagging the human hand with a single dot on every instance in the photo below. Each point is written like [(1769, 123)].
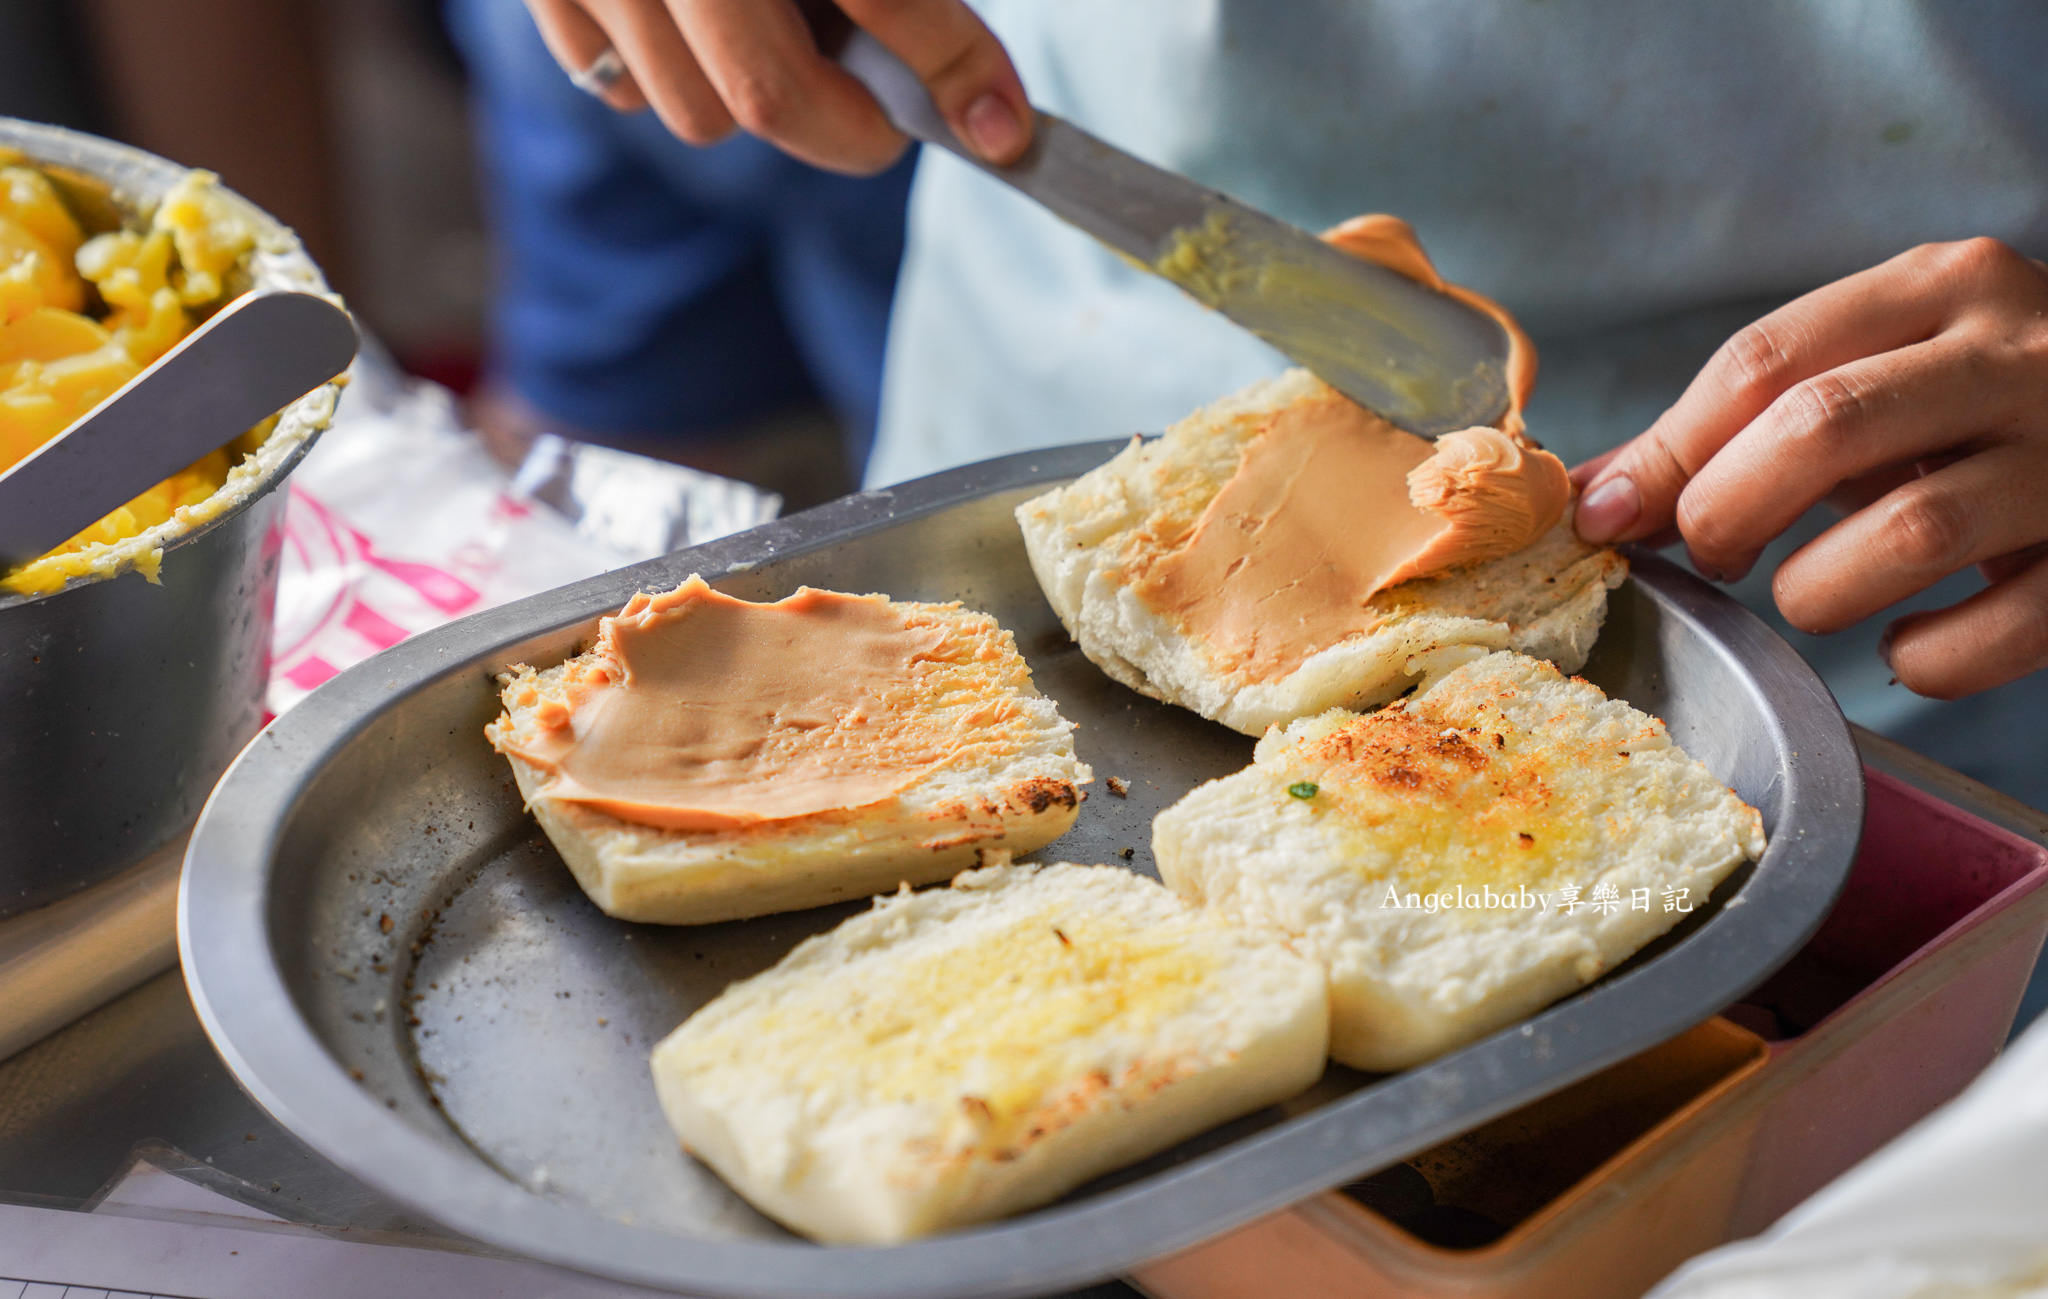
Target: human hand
[(1915, 396), (709, 66)]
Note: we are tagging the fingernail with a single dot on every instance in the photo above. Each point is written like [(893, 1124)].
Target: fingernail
[(992, 127), (1608, 510), (1884, 648)]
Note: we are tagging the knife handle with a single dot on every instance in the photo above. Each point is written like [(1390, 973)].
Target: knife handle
[(903, 97)]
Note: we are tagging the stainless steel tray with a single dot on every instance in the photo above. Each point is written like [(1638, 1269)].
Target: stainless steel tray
[(394, 963)]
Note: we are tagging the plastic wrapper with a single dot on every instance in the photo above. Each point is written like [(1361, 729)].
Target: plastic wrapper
[(399, 521)]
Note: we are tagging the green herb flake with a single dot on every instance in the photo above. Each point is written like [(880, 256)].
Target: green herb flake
[(1303, 789)]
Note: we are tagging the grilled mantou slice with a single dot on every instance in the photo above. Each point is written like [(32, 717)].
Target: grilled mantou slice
[(1090, 542), (996, 767), (963, 1053), (1464, 857)]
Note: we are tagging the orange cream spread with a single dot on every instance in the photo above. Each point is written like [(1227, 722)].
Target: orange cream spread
[(1330, 504), (699, 711)]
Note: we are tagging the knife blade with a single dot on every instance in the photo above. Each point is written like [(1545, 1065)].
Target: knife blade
[(1425, 361), (249, 360)]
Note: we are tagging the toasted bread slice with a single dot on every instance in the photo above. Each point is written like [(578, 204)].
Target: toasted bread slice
[(963, 1053), (1087, 539), (1012, 782), (1464, 857)]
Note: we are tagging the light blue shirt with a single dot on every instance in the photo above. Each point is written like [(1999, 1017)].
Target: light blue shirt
[(1634, 182)]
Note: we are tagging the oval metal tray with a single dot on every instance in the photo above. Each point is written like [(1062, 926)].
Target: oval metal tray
[(395, 964)]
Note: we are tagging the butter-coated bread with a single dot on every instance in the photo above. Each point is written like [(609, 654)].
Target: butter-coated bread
[(1011, 784), (1386, 844), (963, 1053), (1086, 541)]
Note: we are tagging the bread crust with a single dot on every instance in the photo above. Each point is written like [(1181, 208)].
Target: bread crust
[(1015, 786), (1086, 539)]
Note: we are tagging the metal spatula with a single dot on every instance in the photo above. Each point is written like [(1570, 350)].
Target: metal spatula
[(1425, 361), (252, 358)]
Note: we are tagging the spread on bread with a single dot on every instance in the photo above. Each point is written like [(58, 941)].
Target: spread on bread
[(1331, 504), (699, 711), (1492, 493), (1259, 561), (709, 759)]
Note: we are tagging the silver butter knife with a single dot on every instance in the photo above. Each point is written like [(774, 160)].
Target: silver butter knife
[(1427, 362), (249, 360)]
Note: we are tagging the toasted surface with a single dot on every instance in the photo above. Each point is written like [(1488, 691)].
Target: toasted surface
[(1089, 540), (1501, 775), (963, 1053), (1010, 781)]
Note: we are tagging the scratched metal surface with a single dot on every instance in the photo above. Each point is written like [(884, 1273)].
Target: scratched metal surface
[(397, 966)]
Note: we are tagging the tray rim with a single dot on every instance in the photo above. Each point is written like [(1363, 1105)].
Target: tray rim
[(237, 986)]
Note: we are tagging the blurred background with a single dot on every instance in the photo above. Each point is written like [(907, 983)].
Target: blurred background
[(389, 133)]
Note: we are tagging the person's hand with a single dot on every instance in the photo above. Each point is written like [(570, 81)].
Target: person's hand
[(1915, 395), (709, 66)]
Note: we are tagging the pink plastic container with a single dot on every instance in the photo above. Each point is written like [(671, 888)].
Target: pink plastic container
[(1905, 995), (1909, 990)]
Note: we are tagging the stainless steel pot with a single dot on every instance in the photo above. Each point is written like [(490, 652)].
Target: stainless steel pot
[(121, 702)]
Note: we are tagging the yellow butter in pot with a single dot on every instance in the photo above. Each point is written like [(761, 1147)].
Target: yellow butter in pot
[(62, 353)]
